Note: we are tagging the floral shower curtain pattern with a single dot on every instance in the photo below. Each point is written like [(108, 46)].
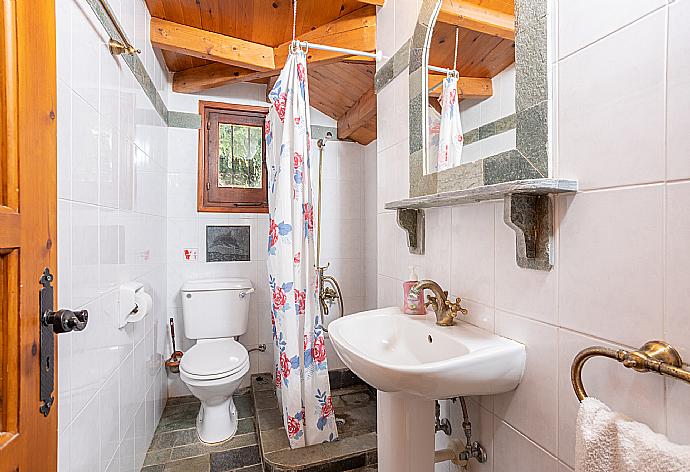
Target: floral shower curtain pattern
[(450, 138), (301, 370)]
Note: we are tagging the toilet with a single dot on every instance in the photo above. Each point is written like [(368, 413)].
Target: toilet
[(215, 312)]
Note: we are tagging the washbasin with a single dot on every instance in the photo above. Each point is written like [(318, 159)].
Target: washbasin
[(395, 352)]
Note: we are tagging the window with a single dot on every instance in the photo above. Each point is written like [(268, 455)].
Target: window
[(232, 158)]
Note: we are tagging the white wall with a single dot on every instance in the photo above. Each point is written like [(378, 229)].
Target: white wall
[(621, 102), (342, 237), (370, 234), (111, 229)]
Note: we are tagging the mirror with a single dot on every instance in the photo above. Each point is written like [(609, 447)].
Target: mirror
[(491, 124)]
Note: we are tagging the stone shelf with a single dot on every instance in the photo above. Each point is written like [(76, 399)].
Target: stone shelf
[(527, 210), (486, 192)]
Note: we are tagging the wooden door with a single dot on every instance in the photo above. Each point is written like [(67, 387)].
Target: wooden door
[(28, 440)]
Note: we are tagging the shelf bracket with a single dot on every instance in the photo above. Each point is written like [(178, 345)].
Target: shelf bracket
[(530, 216), (412, 221)]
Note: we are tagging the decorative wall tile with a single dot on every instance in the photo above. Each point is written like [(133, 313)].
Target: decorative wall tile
[(227, 243)]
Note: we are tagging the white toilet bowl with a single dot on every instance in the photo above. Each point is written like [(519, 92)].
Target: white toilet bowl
[(213, 369)]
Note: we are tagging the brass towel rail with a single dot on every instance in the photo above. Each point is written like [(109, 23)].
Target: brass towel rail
[(117, 47), (654, 356)]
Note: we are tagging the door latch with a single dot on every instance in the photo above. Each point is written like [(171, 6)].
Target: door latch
[(53, 322)]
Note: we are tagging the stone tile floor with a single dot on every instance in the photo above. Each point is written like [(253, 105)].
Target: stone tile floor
[(177, 448), (355, 449)]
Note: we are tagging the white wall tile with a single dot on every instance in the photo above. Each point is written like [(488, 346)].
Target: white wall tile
[(472, 252), (85, 158), (182, 195), (513, 282), (109, 416), (385, 32), (85, 440), (578, 27), (611, 265), (87, 38), (677, 267), (513, 452), (678, 98), (611, 108), (184, 150), (538, 390)]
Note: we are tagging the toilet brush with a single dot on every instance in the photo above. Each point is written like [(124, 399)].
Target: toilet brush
[(173, 363)]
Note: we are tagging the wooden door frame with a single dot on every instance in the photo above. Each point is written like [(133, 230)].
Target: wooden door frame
[(28, 223)]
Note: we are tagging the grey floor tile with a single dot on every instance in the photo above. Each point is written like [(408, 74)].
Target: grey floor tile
[(174, 401), (269, 419), (265, 400), (153, 468), (157, 457), (245, 406), (235, 459), (246, 425), (251, 468), (199, 448), (192, 464), (262, 382), (274, 440)]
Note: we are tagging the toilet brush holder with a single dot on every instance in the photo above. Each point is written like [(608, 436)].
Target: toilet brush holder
[(173, 363)]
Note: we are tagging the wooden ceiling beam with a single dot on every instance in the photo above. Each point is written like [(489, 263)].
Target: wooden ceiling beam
[(356, 30), (473, 17), (468, 87), (183, 39), (358, 115)]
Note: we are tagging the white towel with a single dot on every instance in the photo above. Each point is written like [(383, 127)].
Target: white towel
[(610, 442)]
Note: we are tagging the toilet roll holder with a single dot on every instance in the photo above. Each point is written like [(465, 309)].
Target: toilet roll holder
[(129, 303)]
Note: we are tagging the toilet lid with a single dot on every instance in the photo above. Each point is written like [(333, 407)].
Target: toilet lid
[(214, 358)]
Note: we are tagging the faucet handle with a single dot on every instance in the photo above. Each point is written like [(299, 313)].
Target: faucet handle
[(455, 307)]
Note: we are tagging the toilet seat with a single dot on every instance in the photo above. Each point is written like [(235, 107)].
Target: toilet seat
[(214, 359)]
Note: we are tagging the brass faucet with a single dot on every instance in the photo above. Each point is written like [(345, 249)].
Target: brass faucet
[(445, 310)]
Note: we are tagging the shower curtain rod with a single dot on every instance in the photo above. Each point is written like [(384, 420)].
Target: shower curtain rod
[(375, 55), (443, 70)]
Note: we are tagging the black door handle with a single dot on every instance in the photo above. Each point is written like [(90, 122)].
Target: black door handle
[(65, 321)]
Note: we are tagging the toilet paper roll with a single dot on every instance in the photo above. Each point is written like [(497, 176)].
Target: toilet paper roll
[(144, 303)]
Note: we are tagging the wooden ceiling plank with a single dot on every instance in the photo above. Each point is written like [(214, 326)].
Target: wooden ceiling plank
[(210, 15), (468, 87), (358, 115), (196, 42), (356, 30), (474, 16)]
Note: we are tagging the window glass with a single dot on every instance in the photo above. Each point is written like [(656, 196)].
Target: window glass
[(240, 152)]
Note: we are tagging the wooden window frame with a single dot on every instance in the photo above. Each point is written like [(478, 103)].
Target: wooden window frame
[(210, 197)]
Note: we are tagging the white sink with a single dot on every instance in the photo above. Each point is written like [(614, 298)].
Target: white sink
[(395, 352), (412, 362)]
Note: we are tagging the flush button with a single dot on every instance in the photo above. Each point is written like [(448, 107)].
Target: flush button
[(189, 295)]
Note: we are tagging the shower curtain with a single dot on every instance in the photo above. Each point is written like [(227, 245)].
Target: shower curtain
[(301, 370), (450, 135)]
